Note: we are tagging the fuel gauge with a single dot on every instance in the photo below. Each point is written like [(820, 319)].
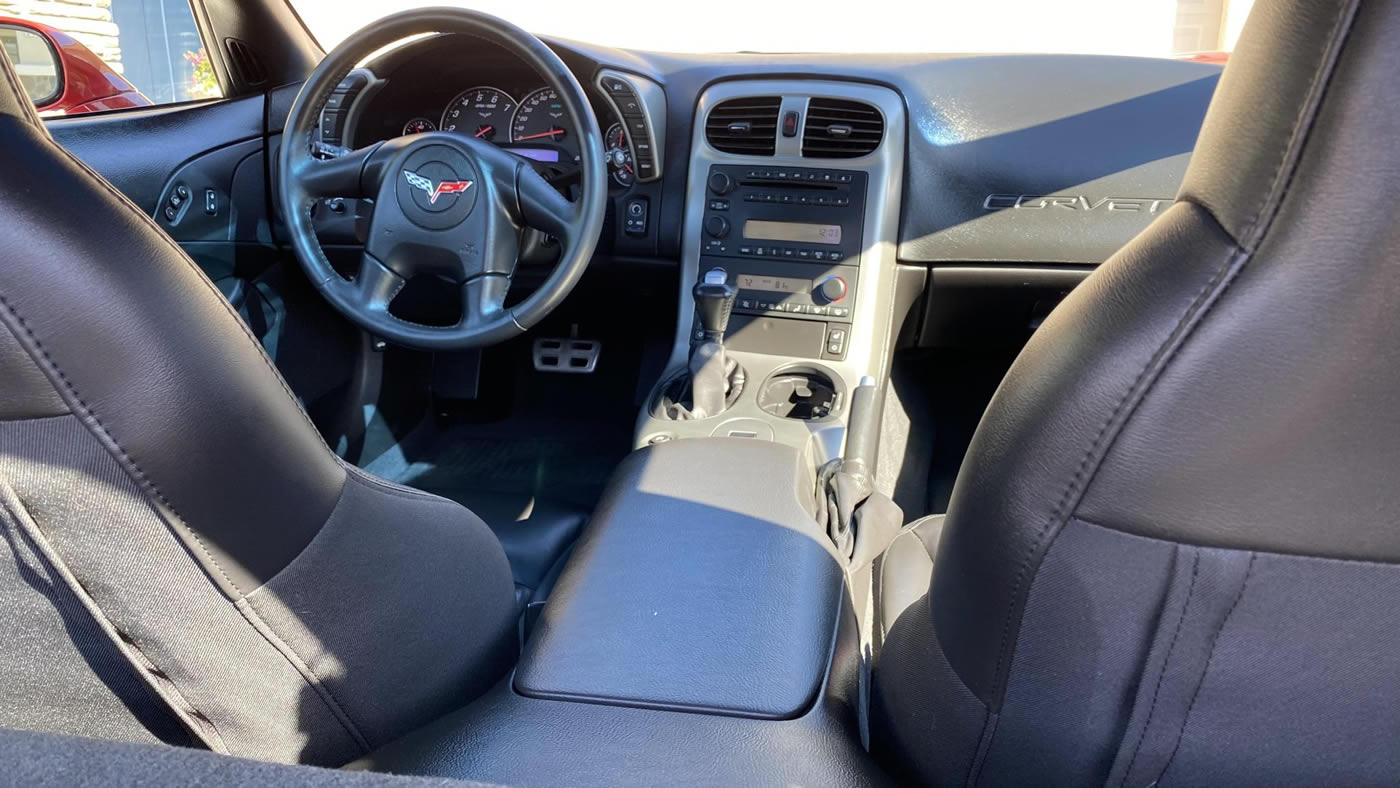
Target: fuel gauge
[(619, 156)]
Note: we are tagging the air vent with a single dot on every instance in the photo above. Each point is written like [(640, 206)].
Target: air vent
[(246, 65), (744, 125), (839, 129)]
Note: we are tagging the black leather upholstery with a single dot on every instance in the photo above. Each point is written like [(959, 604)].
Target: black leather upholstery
[(902, 572), (1214, 408), (378, 606), (702, 584), (537, 536)]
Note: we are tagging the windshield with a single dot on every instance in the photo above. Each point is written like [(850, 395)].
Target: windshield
[(1150, 28)]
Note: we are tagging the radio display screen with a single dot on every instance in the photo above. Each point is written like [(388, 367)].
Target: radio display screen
[(776, 284), (795, 232)]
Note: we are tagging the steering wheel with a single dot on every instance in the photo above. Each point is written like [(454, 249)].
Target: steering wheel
[(444, 203)]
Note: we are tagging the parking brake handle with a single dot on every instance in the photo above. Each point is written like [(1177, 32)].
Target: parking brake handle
[(860, 521)]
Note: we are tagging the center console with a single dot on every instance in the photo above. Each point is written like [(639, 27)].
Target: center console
[(708, 628), (700, 634), (793, 200)]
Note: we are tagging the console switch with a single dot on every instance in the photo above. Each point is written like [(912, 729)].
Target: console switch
[(636, 216)]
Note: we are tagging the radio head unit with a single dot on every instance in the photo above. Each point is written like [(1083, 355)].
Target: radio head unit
[(790, 239), (803, 213)]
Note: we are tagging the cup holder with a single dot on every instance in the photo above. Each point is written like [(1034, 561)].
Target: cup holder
[(805, 393)]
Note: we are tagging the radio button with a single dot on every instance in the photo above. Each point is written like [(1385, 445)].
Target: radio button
[(717, 226), (818, 254), (834, 257), (746, 250), (789, 252), (804, 254), (719, 205)]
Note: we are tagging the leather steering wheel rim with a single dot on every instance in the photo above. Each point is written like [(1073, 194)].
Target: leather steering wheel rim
[(479, 251)]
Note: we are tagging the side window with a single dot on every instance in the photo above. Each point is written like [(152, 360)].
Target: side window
[(80, 56)]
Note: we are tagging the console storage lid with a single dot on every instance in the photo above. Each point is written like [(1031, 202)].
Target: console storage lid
[(702, 584)]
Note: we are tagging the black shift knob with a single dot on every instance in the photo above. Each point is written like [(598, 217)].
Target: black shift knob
[(714, 298)]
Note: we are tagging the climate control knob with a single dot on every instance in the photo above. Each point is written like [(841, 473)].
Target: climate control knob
[(721, 183), (830, 290), (717, 226)]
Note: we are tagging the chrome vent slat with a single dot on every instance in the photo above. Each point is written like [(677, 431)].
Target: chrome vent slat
[(841, 129), (745, 125)]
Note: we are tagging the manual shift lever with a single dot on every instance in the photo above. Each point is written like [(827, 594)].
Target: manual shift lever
[(713, 376), (714, 299)]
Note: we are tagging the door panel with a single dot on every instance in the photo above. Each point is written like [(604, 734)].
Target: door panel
[(200, 171)]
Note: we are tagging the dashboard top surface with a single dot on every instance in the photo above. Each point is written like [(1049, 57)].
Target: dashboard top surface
[(1010, 158)]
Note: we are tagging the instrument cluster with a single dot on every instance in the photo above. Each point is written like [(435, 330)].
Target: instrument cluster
[(535, 125)]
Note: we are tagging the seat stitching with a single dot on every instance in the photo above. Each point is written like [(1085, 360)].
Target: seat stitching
[(123, 456), (1306, 111), (1210, 659), (1226, 274), (1080, 471), (203, 278), (55, 561), (1162, 672), (308, 673)]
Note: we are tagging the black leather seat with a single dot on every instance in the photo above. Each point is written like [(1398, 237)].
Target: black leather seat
[(1171, 555), (182, 557)]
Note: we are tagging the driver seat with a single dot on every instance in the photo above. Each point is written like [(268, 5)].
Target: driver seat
[(183, 558)]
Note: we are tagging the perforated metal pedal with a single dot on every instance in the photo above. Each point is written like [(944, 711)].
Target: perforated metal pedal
[(576, 356)]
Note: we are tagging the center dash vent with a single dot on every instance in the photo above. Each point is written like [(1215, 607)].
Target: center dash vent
[(744, 125), (840, 129)]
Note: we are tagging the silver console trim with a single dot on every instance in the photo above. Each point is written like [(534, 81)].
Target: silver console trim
[(868, 347), (653, 101)]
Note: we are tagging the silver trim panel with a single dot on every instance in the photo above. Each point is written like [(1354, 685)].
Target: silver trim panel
[(869, 340), (653, 101)]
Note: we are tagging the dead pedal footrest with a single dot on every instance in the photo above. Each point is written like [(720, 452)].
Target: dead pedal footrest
[(577, 356)]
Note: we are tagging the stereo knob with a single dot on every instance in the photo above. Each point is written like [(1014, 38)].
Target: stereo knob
[(831, 289), (717, 226), (721, 183)]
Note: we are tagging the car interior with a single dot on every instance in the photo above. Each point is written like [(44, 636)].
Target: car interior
[(463, 406)]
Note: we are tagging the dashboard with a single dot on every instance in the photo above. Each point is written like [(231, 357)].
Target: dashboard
[(489, 95)]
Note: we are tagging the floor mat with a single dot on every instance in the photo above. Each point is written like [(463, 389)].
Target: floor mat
[(564, 468)]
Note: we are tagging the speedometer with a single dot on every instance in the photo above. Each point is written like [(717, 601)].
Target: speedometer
[(542, 120), (481, 112)]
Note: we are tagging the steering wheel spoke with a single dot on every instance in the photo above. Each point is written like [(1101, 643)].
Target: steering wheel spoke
[(350, 175), (376, 285), (543, 207), (484, 300)]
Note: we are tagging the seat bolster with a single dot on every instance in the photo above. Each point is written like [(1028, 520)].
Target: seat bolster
[(904, 571)]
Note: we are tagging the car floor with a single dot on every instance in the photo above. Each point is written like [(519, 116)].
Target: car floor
[(527, 434)]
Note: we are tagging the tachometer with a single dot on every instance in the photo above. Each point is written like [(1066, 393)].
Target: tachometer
[(542, 119), (418, 126), (481, 112)]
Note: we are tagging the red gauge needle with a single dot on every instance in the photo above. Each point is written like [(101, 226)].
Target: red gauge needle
[(484, 130), (550, 133)]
